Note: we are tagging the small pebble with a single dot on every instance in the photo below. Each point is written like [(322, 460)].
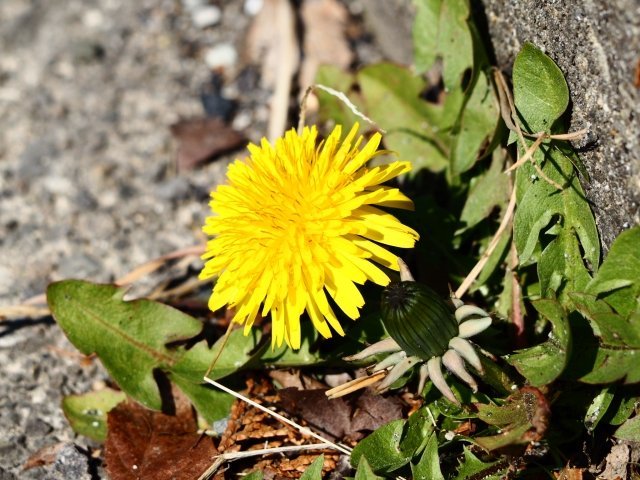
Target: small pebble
[(221, 56), (193, 4), (93, 18), (206, 16), (252, 7)]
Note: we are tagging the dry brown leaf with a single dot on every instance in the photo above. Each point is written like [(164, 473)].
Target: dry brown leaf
[(341, 417), (294, 379), (202, 139), (325, 42), (617, 463), (331, 417), (372, 411), (144, 444), (45, 456), (570, 473)]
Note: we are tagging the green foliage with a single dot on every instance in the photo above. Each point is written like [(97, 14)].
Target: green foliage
[(598, 408), (618, 280), (428, 468), (545, 362), (87, 412), (393, 445), (441, 30), (364, 471), (476, 126), (472, 467), (540, 91), (97, 320), (629, 430), (314, 471), (489, 190), (382, 448)]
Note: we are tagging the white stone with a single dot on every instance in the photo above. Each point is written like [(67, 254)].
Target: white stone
[(223, 55), (193, 4), (252, 7), (93, 18), (206, 16)]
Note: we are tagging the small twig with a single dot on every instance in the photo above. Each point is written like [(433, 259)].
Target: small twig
[(506, 100), (517, 317), (544, 176), (300, 428), (153, 265), (340, 96), (229, 457), (23, 311), (180, 290), (559, 136), (527, 155)]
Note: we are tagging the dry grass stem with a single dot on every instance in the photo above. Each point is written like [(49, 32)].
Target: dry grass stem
[(229, 457), (354, 385), (340, 96), (35, 306)]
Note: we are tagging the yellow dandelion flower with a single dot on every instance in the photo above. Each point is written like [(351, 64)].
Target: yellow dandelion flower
[(297, 221)]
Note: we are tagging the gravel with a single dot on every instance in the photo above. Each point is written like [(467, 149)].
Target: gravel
[(88, 184)]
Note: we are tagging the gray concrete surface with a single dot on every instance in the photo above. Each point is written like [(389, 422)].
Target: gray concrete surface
[(597, 46)]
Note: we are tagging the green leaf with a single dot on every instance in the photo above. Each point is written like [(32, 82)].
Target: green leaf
[(542, 201), (418, 429), (561, 269), (365, 472), (598, 408), (615, 357), (477, 125), (129, 337), (523, 411), (489, 191), (331, 108), (623, 405), (618, 280), (472, 467), (540, 91), (428, 468), (544, 363), (314, 471), (210, 402), (441, 30), (629, 430), (257, 475), (392, 97), (238, 351), (87, 413), (382, 448)]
